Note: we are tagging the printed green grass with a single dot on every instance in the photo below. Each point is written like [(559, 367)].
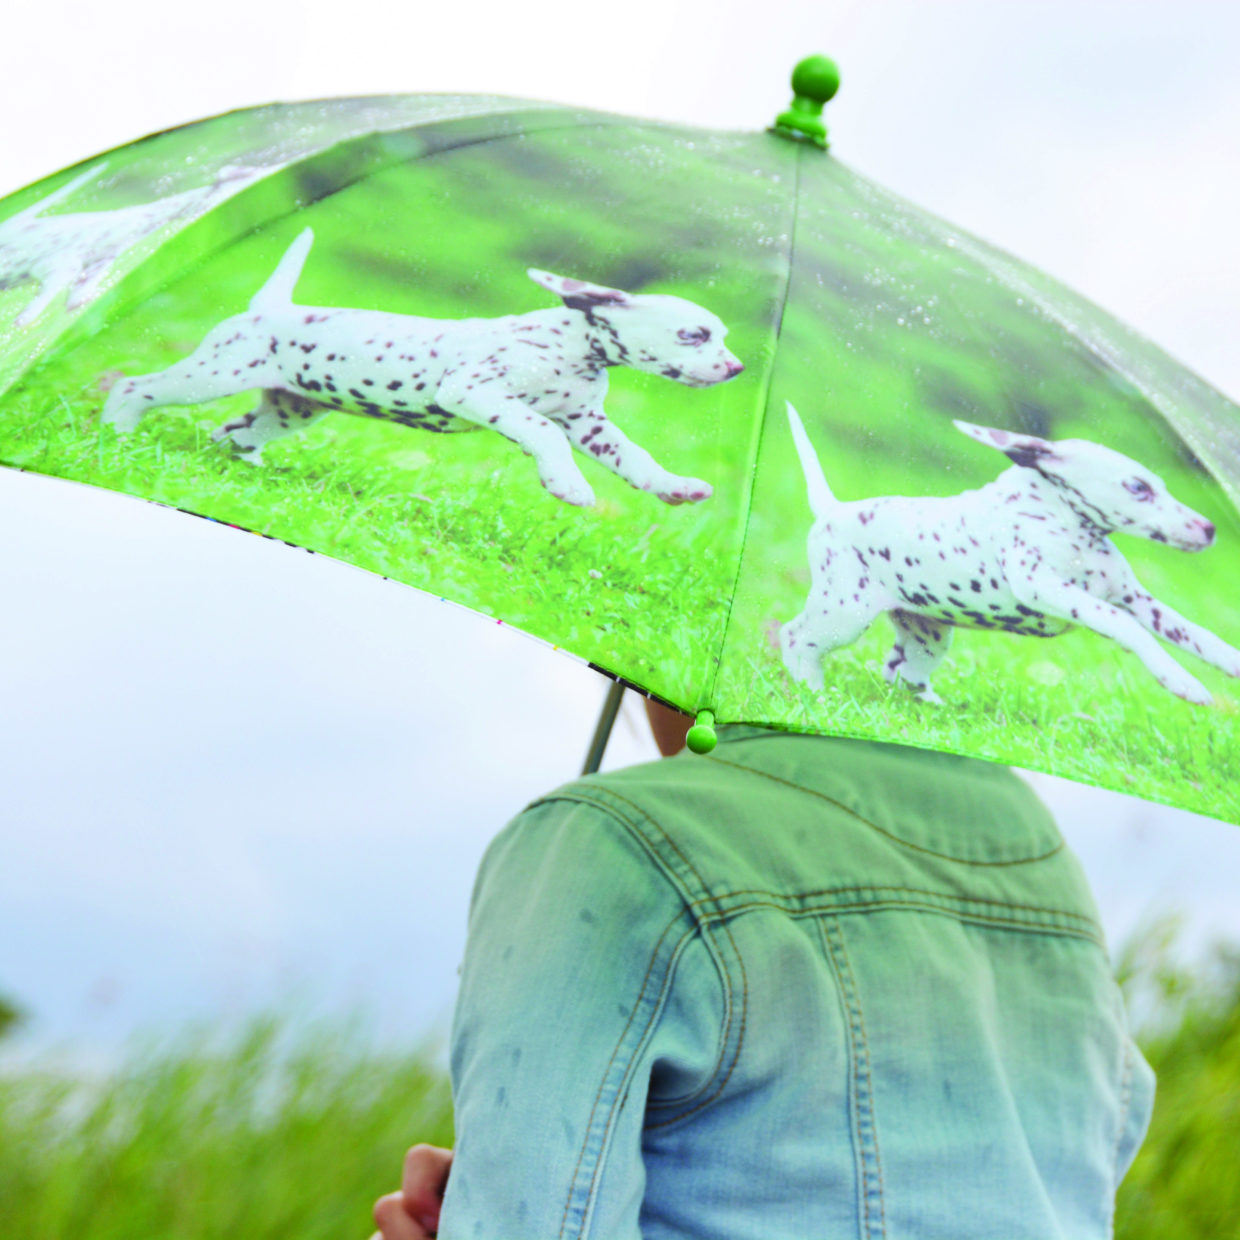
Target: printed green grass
[(881, 338), (426, 512), (1163, 749)]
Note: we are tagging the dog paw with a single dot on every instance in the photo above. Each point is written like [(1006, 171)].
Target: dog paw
[(122, 421), (684, 491), (231, 435), (578, 493), (1188, 688), (121, 414), (804, 669), (929, 695)]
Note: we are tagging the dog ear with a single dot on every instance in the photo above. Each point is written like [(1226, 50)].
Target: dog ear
[(1026, 450), (578, 294)]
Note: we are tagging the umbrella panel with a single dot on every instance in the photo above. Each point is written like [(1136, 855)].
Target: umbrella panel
[(889, 325), (896, 324), (409, 226)]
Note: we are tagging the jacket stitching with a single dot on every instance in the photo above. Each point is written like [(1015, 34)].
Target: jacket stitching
[(864, 1123), (716, 955), (725, 1033), (585, 1141), (740, 1038), (930, 852), (640, 814), (683, 1100), (708, 941), (705, 916), (1086, 926), (983, 919), (959, 904)]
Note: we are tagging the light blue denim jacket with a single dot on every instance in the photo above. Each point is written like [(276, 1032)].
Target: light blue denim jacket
[(802, 988)]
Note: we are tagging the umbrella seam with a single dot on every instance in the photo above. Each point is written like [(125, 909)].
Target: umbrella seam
[(766, 401)]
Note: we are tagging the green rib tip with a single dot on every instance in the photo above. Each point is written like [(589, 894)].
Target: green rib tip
[(701, 737)]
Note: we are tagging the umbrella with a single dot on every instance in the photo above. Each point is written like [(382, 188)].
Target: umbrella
[(757, 437)]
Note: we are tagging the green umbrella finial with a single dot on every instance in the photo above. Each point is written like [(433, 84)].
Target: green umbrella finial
[(701, 737), (814, 82)]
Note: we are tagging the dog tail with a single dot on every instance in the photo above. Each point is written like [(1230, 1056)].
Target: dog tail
[(278, 291), (820, 496)]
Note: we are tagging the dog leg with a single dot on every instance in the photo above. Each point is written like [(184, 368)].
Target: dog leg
[(204, 375), (801, 654), (921, 645), (593, 433), (536, 435), (1161, 620), (838, 611), (276, 415), (1046, 593)]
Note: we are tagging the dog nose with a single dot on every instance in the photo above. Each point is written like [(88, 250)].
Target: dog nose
[(1207, 528), (733, 367)]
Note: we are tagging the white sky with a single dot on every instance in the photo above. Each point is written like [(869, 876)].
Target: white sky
[(219, 785)]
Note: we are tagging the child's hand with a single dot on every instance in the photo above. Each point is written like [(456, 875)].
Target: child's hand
[(413, 1213)]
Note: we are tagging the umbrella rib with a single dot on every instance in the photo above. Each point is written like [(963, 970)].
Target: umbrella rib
[(761, 428)]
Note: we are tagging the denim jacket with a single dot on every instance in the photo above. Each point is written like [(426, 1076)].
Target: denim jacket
[(802, 988)]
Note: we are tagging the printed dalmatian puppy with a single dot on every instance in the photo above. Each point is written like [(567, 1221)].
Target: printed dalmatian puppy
[(539, 379), (74, 251), (1028, 553)]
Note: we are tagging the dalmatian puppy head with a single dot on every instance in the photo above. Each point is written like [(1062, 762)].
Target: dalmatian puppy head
[(1104, 487), (652, 332)]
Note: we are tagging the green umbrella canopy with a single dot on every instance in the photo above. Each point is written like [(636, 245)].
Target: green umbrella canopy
[(234, 318)]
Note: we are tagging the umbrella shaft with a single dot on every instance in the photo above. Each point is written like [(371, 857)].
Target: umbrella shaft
[(606, 718)]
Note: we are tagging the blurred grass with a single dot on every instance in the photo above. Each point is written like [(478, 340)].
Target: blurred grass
[(270, 1133), (1184, 1184), (285, 1130)]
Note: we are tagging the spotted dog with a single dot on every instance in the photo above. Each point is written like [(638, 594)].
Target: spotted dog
[(1028, 553), (539, 378), (74, 252)]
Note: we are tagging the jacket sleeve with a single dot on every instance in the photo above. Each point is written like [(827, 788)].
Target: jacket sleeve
[(575, 936)]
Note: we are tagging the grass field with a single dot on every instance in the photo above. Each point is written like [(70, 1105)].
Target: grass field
[(280, 1130), (269, 1133)]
